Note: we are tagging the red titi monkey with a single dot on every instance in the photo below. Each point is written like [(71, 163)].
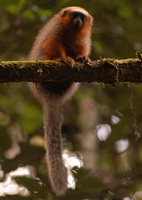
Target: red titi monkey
[(66, 38)]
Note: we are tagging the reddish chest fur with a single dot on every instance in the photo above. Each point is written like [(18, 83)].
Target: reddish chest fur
[(68, 42)]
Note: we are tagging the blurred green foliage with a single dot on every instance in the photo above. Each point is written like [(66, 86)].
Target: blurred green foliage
[(117, 172)]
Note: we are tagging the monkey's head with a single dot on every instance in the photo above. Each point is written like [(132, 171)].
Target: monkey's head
[(76, 17)]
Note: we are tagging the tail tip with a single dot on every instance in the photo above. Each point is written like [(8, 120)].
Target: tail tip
[(59, 187)]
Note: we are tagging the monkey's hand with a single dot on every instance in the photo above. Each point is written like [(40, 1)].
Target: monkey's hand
[(69, 61), (84, 59)]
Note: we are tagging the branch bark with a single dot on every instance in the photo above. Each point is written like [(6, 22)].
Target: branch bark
[(105, 70)]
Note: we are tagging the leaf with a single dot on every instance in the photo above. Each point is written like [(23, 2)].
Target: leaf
[(34, 186), (29, 155)]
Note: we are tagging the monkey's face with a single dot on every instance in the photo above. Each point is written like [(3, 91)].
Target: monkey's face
[(78, 19)]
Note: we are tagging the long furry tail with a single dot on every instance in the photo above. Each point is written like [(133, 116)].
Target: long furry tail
[(52, 128)]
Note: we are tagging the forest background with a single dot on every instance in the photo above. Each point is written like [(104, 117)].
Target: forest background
[(102, 130)]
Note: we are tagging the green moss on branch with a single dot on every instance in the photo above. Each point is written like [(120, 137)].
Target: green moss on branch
[(104, 70)]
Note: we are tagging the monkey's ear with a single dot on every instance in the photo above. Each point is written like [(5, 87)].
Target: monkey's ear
[(63, 14), (91, 19)]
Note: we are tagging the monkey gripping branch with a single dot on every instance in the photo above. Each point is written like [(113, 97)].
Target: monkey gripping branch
[(104, 70)]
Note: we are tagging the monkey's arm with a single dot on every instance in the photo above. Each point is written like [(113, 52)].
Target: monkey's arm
[(57, 53)]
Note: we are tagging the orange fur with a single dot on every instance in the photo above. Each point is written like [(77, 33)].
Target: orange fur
[(66, 37), (68, 41)]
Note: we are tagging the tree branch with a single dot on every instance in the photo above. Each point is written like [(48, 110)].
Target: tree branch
[(105, 70)]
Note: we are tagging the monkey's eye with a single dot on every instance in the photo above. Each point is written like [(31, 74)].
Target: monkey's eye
[(83, 17), (76, 15)]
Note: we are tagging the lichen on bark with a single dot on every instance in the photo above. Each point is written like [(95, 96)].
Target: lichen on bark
[(106, 70)]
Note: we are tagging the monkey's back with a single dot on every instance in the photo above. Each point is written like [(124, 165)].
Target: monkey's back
[(51, 27)]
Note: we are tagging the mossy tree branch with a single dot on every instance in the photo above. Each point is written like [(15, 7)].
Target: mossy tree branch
[(105, 70)]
